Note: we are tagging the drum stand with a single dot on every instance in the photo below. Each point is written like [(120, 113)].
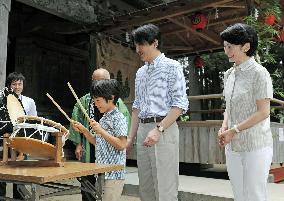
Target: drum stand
[(57, 160)]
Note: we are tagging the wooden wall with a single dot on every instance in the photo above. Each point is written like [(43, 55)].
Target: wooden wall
[(48, 66), (117, 58), (198, 143)]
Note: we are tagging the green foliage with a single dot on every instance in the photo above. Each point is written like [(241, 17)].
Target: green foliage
[(184, 117), (218, 60), (266, 33), (270, 7), (266, 36), (278, 84)]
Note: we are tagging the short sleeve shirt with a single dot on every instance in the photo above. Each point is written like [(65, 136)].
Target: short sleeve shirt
[(243, 86), (115, 123), (159, 86)]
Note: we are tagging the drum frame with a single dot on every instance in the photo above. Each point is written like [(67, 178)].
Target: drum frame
[(58, 160)]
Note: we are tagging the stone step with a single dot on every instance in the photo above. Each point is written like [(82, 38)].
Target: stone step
[(200, 188)]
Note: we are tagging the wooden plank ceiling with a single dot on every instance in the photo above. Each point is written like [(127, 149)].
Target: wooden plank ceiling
[(117, 18), (174, 20)]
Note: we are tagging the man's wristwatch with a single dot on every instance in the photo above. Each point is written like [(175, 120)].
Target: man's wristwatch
[(236, 128), (160, 128)]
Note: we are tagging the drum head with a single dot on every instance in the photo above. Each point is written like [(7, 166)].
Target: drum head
[(15, 108), (35, 148)]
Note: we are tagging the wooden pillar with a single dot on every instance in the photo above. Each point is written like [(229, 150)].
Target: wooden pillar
[(92, 53), (58, 156), (5, 148), (4, 16), (193, 89)]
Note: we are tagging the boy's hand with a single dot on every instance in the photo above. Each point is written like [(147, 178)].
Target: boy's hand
[(96, 127), (79, 127)]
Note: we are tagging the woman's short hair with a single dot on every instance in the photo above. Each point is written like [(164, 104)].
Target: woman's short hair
[(147, 34), (106, 89), (15, 76), (239, 34)]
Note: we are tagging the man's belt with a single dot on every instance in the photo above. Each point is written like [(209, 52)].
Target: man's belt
[(151, 120)]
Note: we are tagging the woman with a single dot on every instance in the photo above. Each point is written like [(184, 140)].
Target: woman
[(245, 131)]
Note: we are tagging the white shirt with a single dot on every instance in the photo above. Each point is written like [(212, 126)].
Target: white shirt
[(160, 86), (243, 85), (29, 105)]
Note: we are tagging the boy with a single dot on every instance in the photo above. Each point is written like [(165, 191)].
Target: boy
[(111, 135)]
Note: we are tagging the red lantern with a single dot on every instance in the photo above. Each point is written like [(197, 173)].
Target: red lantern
[(270, 19), (198, 22), (198, 62), (280, 38)]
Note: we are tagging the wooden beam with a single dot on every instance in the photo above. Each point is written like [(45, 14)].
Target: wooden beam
[(73, 10), (275, 100), (183, 39), (196, 51), (212, 38), (176, 47), (57, 47), (213, 23), (160, 12), (209, 96), (207, 111)]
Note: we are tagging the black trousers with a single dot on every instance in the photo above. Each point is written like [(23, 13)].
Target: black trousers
[(3, 185), (85, 195), (91, 178), (16, 193)]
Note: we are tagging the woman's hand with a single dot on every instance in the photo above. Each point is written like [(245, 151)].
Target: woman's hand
[(222, 129), (226, 136)]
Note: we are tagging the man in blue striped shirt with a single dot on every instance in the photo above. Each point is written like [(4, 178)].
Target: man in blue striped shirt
[(160, 97)]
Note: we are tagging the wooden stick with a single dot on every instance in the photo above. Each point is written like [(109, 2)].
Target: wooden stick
[(209, 96), (59, 108), (78, 101), (278, 101)]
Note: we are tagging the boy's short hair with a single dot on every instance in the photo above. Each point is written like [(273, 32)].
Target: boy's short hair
[(239, 34), (15, 76), (106, 89), (147, 34)]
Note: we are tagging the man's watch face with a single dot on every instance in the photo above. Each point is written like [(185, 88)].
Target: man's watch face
[(160, 128)]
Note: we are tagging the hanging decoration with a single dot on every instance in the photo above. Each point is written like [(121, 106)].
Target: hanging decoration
[(216, 13), (270, 19), (198, 21), (127, 37), (198, 62)]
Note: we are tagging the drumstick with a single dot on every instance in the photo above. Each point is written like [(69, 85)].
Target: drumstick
[(78, 101), (59, 108)]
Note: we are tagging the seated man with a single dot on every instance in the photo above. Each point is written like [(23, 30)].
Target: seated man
[(15, 81)]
